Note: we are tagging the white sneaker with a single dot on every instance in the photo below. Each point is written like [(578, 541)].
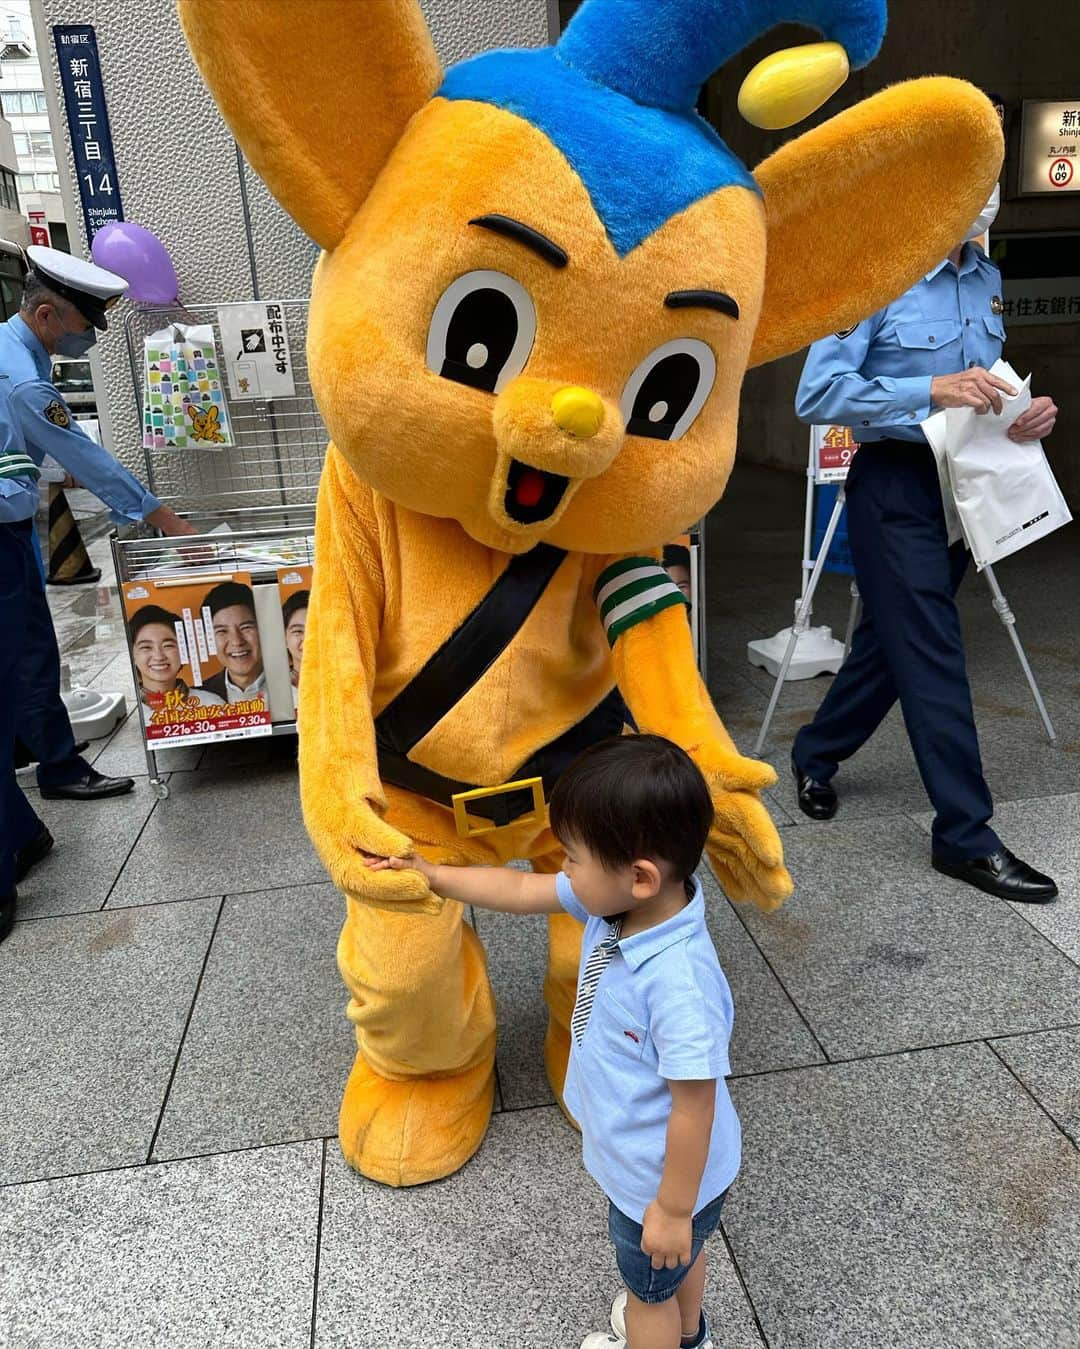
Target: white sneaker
[(603, 1339), (618, 1326), (618, 1314)]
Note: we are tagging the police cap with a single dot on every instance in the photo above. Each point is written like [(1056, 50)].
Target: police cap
[(91, 289)]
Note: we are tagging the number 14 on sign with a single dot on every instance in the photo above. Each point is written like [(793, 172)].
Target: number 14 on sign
[(104, 185)]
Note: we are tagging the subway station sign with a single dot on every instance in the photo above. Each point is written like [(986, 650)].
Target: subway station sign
[(1050, 148), (88, 121)]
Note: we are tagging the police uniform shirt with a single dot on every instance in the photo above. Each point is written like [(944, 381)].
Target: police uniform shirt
[(47, 427), (18, 472), (876, 377)]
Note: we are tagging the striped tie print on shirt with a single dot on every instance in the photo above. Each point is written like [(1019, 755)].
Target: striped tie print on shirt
[(632, 590), (597, 963)]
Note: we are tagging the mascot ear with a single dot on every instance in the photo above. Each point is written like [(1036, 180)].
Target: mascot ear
[(317, 95), (860, 208)]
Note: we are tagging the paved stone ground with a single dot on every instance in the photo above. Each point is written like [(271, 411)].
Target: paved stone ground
[(907, 1053)]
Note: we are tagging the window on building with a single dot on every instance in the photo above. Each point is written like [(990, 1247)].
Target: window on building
[(8, 190), (24, 103), (26, 182), (41, 143), (22, 143), (46, 182)]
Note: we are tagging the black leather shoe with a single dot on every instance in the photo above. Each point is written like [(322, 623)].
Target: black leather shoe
[(7, 913), (816, 799), (1001, 874), (31, 853), (90, 787)]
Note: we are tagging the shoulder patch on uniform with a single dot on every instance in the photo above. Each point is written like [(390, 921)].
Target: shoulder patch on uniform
[(846, 332), (997, 305), (58, 414)]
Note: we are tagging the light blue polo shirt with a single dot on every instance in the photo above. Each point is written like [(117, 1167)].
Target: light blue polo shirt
[(662, 1011)]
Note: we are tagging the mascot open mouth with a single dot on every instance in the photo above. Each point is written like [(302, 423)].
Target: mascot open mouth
[(531, 494)]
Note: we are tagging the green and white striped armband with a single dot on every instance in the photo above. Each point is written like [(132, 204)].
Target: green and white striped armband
[(632, 590), (15, 464)]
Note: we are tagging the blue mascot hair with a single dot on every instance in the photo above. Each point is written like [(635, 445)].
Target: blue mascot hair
[(617, 94)]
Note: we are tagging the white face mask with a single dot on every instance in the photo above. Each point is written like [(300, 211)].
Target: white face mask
[(986, 217)]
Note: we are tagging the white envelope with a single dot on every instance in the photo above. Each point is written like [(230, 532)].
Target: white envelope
[(1005, 494)]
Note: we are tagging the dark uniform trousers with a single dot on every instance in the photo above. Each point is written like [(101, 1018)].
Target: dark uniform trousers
[(19, 578), (908, 646)]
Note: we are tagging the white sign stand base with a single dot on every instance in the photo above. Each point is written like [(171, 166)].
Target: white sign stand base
[(93, 715), (816, 652)]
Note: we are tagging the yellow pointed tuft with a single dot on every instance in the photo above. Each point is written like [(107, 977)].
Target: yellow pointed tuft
[(791, 84)]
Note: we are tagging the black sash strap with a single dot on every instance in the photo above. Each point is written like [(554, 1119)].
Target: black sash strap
[(453, 670), (469, 651)]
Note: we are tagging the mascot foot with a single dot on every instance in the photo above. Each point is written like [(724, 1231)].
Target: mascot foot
[(412, 1131), (556, 1057)]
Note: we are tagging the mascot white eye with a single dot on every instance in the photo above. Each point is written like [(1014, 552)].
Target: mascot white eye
[(482, 331), (666, 392)]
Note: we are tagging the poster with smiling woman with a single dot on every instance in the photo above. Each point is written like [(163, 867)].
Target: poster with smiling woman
[(197, 658)]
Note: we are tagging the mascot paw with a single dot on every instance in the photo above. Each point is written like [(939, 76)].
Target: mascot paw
[(556, 1057), (343, 840), (745, 851), (415, 1130)]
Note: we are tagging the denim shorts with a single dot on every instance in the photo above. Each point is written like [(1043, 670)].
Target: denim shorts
[(656, 1285)]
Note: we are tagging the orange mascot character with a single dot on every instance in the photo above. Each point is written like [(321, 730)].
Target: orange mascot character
[(543, 278)]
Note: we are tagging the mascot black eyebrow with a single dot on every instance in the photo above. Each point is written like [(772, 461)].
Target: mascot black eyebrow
[(543, 279)]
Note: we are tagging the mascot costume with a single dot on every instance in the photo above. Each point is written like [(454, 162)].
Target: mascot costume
[(543, 279)]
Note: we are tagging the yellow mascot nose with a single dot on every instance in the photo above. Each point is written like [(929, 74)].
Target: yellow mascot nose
[(578, 411)]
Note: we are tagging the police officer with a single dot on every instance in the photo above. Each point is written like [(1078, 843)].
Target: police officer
[(23, 837), (930, 349), (64, 304)]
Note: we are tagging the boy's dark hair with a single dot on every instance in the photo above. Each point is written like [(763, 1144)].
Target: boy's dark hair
[(676, 555), (151, 613), (296, 601), (634, 796), (228, 593)]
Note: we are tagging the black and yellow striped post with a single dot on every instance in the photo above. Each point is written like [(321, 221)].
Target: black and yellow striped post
[(69, 562)]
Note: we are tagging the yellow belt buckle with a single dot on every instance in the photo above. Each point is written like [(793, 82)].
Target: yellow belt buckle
[(468, 829)]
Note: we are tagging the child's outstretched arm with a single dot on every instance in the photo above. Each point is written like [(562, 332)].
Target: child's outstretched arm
[(667, 1226), (503, 889)]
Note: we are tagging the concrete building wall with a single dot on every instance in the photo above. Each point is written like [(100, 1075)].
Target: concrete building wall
[(179, 171)]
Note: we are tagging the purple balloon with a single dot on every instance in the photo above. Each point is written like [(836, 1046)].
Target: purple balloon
[(140, 258)]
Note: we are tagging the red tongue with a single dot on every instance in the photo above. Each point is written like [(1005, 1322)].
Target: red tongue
[(530, 488)]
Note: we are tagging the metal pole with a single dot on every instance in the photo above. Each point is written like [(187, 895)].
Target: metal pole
[(1008, 619), (805, 607), (808, 517)]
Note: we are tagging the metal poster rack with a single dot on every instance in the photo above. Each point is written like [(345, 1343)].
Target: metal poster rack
[(262, 487)]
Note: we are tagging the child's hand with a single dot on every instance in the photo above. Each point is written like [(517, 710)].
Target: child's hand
[(666, 1237), (411, 862)]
